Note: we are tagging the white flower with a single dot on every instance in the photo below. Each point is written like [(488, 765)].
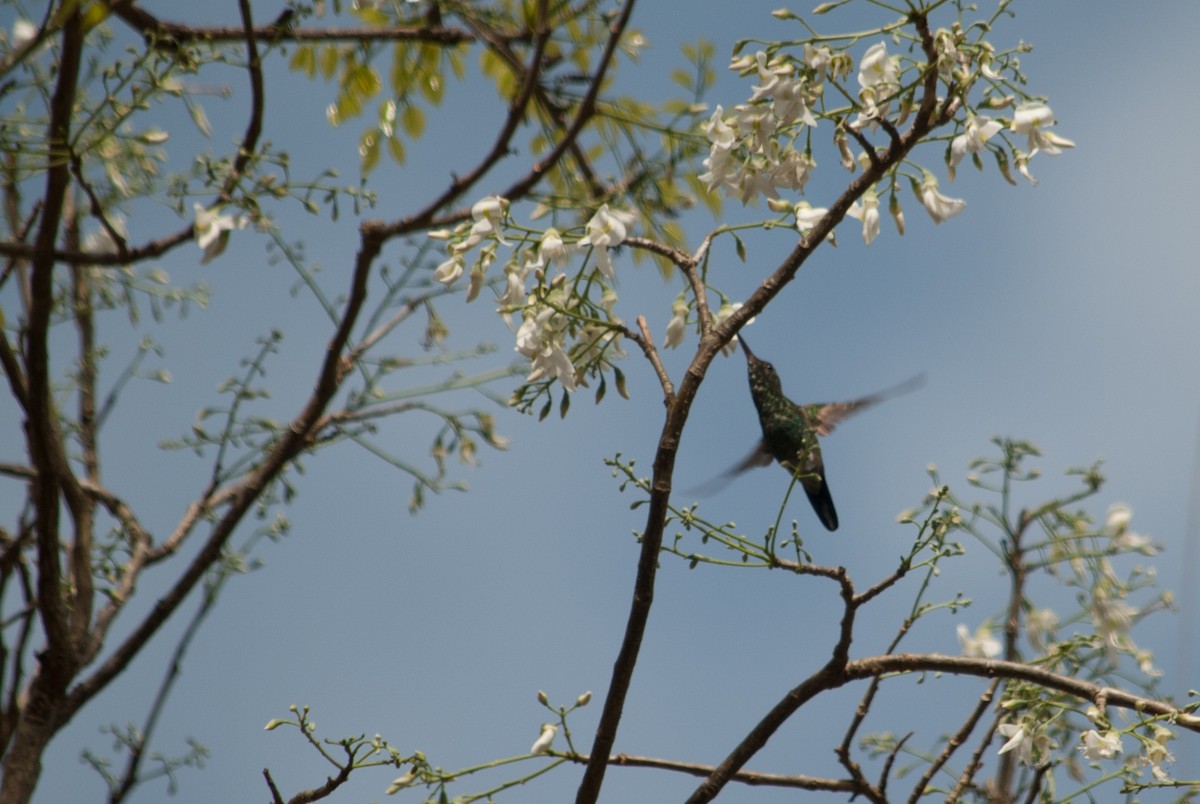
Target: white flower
[(1100, 746), (792, 171), (542, 745), (787, 91), (23, 32), (553, 249), (1032, 119), (980, 645), (1017, 738), (607, 229), (976, 132), (1032, 749), (1118, 517), (1022, 160), (541, 338), (867, 211), (449, 271), (720, 133), (489, 213), (877, 68), (938, 206), (1116, 524), (1039, 624), (677, 326), (817, 58), (807, 216), (514, 292), (212, 231), (1155, 753), (401, 782), (722, 315)]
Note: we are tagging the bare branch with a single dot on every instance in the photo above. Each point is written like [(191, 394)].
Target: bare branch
[(750, 778), (953, 744)]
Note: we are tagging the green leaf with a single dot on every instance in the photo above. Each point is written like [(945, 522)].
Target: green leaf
[(304, 60), (413, 120), (368, 150), (740, 247), (564, 405), (329, 61), (364, 81), (396, 150)]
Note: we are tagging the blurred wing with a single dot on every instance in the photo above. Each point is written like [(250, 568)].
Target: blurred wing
[(823, 418), (758, 457)]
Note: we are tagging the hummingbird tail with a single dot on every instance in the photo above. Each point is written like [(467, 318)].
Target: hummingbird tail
[(822, 503)]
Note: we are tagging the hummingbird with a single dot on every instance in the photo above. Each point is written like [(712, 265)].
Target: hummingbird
[(790, 431)]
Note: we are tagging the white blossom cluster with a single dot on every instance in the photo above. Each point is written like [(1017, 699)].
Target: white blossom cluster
[(764, 147), (1028, 734), (562, 332)]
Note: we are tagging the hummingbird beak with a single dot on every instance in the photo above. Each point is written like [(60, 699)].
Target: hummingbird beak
[(746, 348)]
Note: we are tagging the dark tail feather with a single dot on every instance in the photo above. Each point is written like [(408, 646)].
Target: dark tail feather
[(822, 503)]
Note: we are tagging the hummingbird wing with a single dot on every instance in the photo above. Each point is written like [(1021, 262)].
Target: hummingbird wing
[(757, 457), (823, 417)]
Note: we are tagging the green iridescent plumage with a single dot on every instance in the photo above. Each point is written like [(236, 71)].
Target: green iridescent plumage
[(790, 432)]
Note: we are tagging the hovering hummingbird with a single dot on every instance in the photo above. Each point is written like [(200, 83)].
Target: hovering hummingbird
[(789, 432)]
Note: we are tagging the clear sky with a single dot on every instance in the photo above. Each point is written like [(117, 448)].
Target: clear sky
[(1064, 313)]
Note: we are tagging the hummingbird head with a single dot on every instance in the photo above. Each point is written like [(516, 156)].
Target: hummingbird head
[(762, 374)]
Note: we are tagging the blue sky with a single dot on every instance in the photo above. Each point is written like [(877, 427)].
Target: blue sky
[(1063, 313)]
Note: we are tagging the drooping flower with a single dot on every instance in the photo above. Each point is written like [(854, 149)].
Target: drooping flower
[(488, 214), (1116, 525), (1033, 119), (1155, 753), (877, 68), (939, 207), (787, 91), (1100, 746), (542, 338), (1031, 744), (449, 271), (607, 229), (975, 134), (677, 326), (867, 210), (212, 231), (542, 744), (514, 291), (727, 309), (980, 645), (807, 216), (23, 32), (817, 58), (792, 170), (401, 782)]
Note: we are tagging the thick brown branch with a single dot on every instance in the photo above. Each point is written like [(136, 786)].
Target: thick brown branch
[(58, 664), (152, 27)]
